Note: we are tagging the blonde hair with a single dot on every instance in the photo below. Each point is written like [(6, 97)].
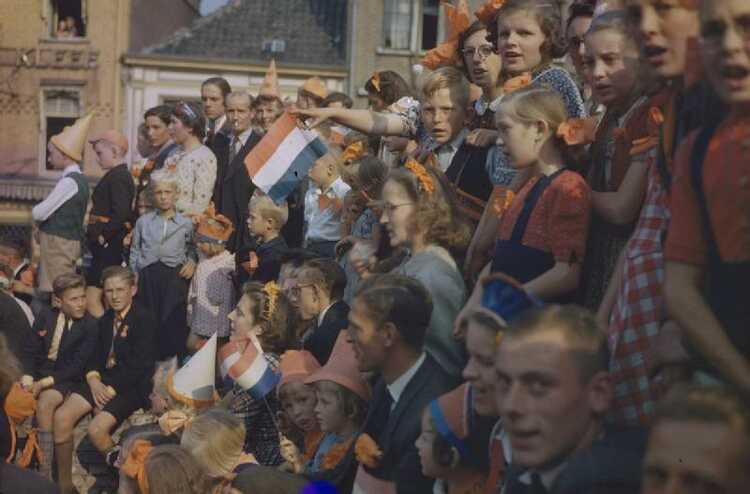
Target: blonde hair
[(212, 249), (530, 105), (437, 214), (170, 469), (448, 78), (268, 209), (216, 439), (163, 177)]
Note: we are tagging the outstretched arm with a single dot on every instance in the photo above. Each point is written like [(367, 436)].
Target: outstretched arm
[(365, 121)]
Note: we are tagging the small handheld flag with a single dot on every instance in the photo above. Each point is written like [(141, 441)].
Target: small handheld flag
[(249, 369), (281, 160)]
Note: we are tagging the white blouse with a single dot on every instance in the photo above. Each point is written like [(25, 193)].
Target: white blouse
[(196, 175)]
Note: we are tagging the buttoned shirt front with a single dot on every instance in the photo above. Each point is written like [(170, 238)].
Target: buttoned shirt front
[(160, 239)]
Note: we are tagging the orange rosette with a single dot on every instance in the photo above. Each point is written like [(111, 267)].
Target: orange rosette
[(353, 152), (577, 131), (367, 451), (424, 178), (488, 11)]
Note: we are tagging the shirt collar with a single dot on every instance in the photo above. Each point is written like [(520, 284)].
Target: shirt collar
[(244, 136), (74, 168), (23, 264), (124, 313), (547, 477), (322, 315), (218, 123), (456, 142), (397, 387)]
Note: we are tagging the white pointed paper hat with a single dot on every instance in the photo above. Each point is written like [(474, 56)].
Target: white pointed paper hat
[(193, 384), (72, 139), (270, 86)]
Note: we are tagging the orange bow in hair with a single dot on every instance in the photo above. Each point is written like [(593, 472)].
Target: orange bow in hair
[(424, 178), (446, 53), (517, 82), (375, 79), (577, 131), (488, 11), (353, 152), (174, 420), (135, 464)]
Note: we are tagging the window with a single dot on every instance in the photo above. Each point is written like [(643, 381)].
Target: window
[(60, 108), (397, 24), (68, 19), (412, 25)]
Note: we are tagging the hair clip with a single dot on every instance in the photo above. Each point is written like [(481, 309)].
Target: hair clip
[(424, 178), (577, 131), (187, 110), (271, 289), (375, 80), (135, 464)]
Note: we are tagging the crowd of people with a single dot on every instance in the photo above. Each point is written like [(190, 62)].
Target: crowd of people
[(526, 275)]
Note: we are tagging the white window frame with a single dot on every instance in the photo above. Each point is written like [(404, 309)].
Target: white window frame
[(43, 115), (415, 45)]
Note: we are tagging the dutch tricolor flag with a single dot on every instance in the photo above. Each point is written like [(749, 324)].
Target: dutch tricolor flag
[(249, 369), (283, 157)]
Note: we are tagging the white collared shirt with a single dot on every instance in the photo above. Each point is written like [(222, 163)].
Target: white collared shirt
[(447, 151), (324, 225), (64, 189), (218, 124), (397, 387)]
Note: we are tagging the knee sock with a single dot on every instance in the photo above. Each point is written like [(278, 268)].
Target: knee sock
[(64, 458), (47, 445)]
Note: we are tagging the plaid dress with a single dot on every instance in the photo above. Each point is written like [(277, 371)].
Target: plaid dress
[(640, 308)]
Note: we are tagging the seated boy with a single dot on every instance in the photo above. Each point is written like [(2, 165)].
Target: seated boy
[(323, 206), (118, 375), (163, 256), (13, 253), (320, 289), (265, 221), (55, 354)]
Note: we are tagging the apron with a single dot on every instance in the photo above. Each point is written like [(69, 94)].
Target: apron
[(726, 292), (515, 259)]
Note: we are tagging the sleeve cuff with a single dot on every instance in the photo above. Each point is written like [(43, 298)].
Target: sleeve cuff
[(48, 382), (93, 373)]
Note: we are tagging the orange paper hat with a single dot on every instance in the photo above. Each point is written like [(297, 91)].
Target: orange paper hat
[(315, 86), (488, 11), (270, 86), (451, 415), (342, 369), (135, 464), (72, 139), (213, 227), (446, 53), (296, 366)]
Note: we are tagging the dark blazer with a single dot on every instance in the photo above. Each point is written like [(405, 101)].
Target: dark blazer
[(112, 198), (321, 338), (611, 465), (395, 431), (135, 351), (13, 323), (76, 347), (236, 188), (468, 173)]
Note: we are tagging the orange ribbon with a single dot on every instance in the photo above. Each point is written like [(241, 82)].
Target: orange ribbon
[(174, 420), (517, 82), (353, 152), (375, 80), (367, 451), (135, 464), (488, 11), (325, 202), (446, 53), (424, 178)]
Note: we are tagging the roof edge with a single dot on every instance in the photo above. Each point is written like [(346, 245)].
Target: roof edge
[(229, 64)]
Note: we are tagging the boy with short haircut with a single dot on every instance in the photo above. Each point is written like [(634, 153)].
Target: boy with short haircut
[(118, 374), (163, 256), (13, 253), (324, 204), (55, 354), (320, 289), (111, 211), (265, 220)]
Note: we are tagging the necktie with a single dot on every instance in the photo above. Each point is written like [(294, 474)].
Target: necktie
[(111, 360), (211, 132), (236, 148)]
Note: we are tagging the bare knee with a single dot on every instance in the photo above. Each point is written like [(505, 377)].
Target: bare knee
[(100, 427)]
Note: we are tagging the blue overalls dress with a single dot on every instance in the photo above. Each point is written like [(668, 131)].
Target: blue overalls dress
[(512, 257)]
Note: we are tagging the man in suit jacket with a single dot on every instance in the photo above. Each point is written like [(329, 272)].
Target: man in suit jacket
[(214, 92), (321, 284), (553, 391), (119, 373), (55, 354), (387, 324), (235, 187)]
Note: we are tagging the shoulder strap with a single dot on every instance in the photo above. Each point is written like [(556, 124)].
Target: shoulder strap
[(530, 203), (698, 156)]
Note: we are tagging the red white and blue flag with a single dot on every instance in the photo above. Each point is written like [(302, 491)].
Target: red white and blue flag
[(281, 160), (249, 369)]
